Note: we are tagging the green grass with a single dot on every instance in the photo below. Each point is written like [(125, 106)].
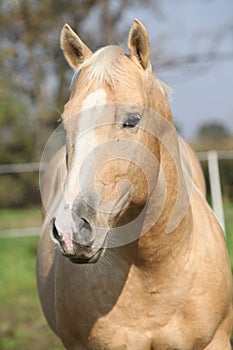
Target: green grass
[(22, 325), (10, 218)]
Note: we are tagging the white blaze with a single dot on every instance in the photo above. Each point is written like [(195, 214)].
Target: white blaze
[(92, 109)]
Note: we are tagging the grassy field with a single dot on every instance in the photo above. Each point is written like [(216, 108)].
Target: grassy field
[(20, 218), (22, 325)]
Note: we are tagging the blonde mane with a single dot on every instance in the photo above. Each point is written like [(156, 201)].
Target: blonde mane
[(107, 66)]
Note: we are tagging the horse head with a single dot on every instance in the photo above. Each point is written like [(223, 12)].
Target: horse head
[(112, 145)]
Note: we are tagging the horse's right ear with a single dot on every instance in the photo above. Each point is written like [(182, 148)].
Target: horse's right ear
[(75, 51)]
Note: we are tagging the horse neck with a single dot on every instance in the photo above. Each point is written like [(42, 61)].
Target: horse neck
[(171, 234)]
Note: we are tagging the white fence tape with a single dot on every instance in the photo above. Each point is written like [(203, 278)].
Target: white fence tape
[(20, 232), (21, 168)]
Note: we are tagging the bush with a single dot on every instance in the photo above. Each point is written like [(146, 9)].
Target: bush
[(19, 190)]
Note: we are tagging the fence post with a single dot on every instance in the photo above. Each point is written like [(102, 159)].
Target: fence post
[(215, 187)]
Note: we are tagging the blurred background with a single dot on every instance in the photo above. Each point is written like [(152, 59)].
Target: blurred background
[(191, 50)]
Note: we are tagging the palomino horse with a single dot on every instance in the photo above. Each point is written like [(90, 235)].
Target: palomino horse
[(130, 256)]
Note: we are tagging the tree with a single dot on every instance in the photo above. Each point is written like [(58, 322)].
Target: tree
[(16, 145), (213, 131), (31, 58)]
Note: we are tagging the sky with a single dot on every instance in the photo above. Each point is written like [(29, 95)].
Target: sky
[(202, 93)]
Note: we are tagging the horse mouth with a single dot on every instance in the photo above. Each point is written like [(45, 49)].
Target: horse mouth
[(87, 260)]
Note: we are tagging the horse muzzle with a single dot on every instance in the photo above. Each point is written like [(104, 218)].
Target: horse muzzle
[(79, 241)]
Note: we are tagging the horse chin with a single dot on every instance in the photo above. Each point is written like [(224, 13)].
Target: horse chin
[(87, 260)]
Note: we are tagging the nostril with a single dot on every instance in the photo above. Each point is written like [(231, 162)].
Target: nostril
[(86, 225), (55, 231), (84, 235)]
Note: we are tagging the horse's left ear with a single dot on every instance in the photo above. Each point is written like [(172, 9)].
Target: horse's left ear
[(75, 51), (138, 44)]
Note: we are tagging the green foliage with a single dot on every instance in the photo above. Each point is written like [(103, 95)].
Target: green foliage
[(19, 190), (16, 131), (226, 176), (215, 131), (17, 145)]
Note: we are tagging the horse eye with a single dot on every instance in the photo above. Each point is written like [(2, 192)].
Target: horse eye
[(131, 121)]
